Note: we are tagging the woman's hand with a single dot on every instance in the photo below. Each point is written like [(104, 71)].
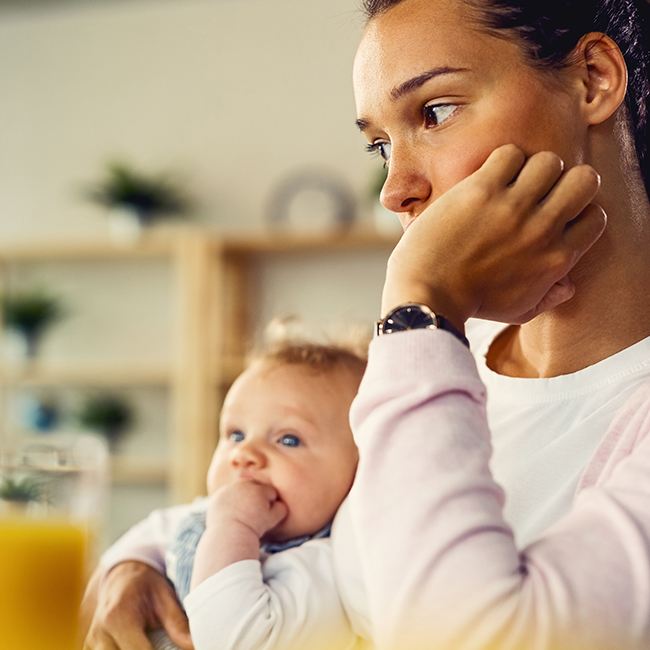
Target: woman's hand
[(130, 600), (500, 244)]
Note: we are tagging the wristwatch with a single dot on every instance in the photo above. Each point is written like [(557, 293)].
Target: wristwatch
[(414, 316)]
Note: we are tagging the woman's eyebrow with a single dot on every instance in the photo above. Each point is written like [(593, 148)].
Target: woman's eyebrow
[(412, 84), (415, 82)]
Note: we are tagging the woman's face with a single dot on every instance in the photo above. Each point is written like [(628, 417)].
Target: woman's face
[(435, 95)]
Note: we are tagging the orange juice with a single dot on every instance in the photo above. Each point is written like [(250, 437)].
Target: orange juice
[(42, 574)]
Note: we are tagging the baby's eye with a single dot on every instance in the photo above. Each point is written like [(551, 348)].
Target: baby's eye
[(436, 114), (236, 436), (290, 440), (382, 149)]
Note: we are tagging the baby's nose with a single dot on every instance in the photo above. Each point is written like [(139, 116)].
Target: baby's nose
[(248, 456)]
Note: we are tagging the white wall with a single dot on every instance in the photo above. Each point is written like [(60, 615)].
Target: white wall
[(232, 93)]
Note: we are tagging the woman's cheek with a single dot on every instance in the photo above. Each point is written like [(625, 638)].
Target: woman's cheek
[(464, 161)]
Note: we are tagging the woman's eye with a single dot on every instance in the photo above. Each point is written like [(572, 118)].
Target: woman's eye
[(236, 436), (382, 149), (289, 440), (436, 114)]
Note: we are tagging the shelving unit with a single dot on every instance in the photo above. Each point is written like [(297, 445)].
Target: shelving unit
[(210, 289)]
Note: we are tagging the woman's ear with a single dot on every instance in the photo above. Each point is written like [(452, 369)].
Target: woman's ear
[(603, 76)]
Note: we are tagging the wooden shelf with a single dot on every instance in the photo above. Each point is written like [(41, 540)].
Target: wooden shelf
[(138, 471), (87, 375), (211, 281), (284, 242), (165, 242)]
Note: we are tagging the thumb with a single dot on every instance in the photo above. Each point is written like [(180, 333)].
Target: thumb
[(562, 291), (277, 512), (173, 619)]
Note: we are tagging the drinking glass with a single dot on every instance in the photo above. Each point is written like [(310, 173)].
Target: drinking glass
[(52, 500)]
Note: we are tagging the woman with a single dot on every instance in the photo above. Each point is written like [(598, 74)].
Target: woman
[(510, 131), (439, 86)]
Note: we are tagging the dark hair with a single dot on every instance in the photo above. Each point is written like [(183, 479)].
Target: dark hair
[(550, 29)]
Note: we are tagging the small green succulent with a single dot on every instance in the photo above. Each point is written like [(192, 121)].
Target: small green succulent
[(20, 490), (31, 311), (107, 414), (148, 196)]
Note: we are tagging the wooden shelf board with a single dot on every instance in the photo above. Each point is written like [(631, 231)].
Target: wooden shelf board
[(83, 250), (284, 242), (87, 374), (138, 471), (160, 244)]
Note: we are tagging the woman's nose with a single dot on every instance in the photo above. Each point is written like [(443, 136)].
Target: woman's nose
[(407, 188)]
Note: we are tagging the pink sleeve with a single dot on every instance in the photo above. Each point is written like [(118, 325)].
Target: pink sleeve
[(146, 541), (440, 562)]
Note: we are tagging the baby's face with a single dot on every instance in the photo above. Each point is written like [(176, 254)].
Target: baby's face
[(287, 426)]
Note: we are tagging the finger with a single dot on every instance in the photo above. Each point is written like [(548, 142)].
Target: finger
[(571, 195), (502, 165), (131, 638), (583, 232), (538, 176), (99, 641), (560, 292), (278, 511), (173, 619)]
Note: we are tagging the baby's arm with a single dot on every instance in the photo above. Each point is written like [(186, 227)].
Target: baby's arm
[(238, 515), (288, 601)]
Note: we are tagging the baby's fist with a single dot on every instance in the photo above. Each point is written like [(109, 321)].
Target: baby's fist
[(246, 504)]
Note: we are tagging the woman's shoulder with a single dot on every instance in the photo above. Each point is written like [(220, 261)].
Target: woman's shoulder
[(628, 429)]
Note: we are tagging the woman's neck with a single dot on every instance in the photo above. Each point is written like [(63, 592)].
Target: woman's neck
[(611, 307)]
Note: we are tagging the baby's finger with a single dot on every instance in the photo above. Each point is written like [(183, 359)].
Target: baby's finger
[(277, 512), (502, 166), (570, 196), (583, 232), (538, 176)]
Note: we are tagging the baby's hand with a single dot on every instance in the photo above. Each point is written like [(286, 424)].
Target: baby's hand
[(238, 515), (245, 504)]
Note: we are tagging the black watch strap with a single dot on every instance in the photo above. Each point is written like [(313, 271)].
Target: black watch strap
[(414, 316)]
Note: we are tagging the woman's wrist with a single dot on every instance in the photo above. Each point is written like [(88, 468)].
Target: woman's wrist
[(400, 293)]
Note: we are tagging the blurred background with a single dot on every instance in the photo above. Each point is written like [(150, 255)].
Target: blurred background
[(173, 174)]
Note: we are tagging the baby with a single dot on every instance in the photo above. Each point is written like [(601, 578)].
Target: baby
[(252, 561)]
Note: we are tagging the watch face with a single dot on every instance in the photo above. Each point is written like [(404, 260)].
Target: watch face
[(408, 318)]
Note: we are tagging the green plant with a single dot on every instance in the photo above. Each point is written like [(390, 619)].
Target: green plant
[(30, 313), (20, 490), (148, 196), (107, 414)]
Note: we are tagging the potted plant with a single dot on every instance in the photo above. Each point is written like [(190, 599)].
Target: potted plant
[(16, 494), (29, 313), (108, 415), (136, 199)]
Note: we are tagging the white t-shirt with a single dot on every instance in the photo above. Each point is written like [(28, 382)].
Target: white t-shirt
[(544, 431)]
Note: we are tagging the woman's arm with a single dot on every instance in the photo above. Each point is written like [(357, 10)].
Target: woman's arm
[(440, 562)]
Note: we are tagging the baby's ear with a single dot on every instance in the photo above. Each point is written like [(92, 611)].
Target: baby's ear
[(603, 74)]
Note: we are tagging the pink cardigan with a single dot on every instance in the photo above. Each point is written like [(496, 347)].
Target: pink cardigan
[(439, 561)]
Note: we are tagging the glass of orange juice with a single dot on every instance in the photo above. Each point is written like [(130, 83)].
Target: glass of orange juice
[(52, 491)]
